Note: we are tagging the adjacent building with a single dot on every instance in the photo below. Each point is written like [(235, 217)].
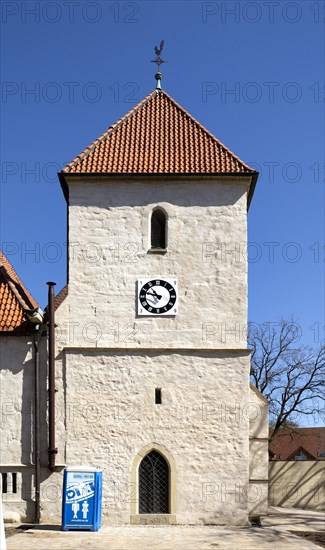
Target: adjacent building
[(298, 444)]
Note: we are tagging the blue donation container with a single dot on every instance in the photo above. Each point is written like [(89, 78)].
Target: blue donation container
[(82, 499)]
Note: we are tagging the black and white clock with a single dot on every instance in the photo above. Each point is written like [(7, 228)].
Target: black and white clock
[(157, 296)]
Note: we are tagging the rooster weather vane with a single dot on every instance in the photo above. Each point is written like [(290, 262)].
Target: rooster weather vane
[(158, 51)]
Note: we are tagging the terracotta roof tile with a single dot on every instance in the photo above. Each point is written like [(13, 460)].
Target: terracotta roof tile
[(14, 299), (288, 441), (58, 299), (157, 136)]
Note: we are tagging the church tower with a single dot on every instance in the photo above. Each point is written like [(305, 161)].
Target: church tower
[(152, 358)]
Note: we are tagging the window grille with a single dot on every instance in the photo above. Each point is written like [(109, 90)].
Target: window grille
[(154, 484), (9, 483)]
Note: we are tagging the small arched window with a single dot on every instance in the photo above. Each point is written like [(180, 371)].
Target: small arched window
[(154, 484), (158, 229)]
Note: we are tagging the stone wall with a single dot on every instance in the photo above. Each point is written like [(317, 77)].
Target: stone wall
[(17, 390), (258, 452), (109, 401), (200, 423), (109, 243), (17, 378), (298, 484), (109, 361)]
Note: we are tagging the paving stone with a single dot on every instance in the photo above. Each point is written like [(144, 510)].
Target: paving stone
[(163, 538), (274, 534)]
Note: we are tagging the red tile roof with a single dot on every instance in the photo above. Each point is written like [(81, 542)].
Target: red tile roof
[(15, 299), (289, 441), (157, 137), (61, 296)]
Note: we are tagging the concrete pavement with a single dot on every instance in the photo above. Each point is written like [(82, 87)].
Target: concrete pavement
[(274, 535), (294, 519)]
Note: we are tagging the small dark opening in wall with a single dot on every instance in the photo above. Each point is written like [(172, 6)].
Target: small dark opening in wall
[(14, 483), (158, 229), (4, 483), (158, 396)]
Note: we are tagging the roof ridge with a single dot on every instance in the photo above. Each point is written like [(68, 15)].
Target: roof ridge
[(112, 128), (13, 288), (16, 285), (206, 130)]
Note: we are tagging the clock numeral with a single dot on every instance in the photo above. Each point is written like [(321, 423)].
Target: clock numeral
[(150, 284), (158, 283), (149, 308), (165, 308), (170, 303), (173, 296), (144, 304), (157, 310)]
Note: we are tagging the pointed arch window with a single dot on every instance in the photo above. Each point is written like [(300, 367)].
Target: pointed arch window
[(158, 229), (154, 484)]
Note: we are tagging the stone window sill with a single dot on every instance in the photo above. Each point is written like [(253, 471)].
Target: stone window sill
[(157, 251), (153, 519)]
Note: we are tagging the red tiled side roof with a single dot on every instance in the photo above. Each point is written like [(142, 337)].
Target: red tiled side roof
[(157, 137), (288, 441), (58, 299), (14, 299)]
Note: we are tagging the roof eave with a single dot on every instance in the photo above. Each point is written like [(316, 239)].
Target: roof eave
[(20, 331), (64, 185), (252, 188), (158, 175)]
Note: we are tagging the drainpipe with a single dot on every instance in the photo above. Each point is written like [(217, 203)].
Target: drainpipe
[(52, 449), (37, 454), (36, 316)]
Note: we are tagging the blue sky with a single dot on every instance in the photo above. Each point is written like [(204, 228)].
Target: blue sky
[(251, 72)]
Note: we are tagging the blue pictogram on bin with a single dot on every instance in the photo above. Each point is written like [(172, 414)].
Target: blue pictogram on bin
[(82, 498)]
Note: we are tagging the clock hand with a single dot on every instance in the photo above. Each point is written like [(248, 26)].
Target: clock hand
[(154, 294)]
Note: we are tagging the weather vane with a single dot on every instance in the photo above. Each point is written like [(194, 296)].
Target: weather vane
[(158, 51), (158, 61)]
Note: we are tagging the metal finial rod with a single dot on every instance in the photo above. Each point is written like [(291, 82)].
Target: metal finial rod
[(158, 62), (158, 77)]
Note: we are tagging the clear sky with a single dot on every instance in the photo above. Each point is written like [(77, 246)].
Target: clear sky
[(251, 72)]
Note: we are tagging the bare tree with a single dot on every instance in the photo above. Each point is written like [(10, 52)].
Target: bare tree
[(290, 376)]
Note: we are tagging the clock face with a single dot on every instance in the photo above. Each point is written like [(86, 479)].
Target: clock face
[(157, 297)]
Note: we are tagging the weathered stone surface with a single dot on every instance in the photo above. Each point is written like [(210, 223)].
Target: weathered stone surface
[(109, 361), (109, 243), (258, 452), (11, 517), (16, 389), (258, 415), (201, 422)]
